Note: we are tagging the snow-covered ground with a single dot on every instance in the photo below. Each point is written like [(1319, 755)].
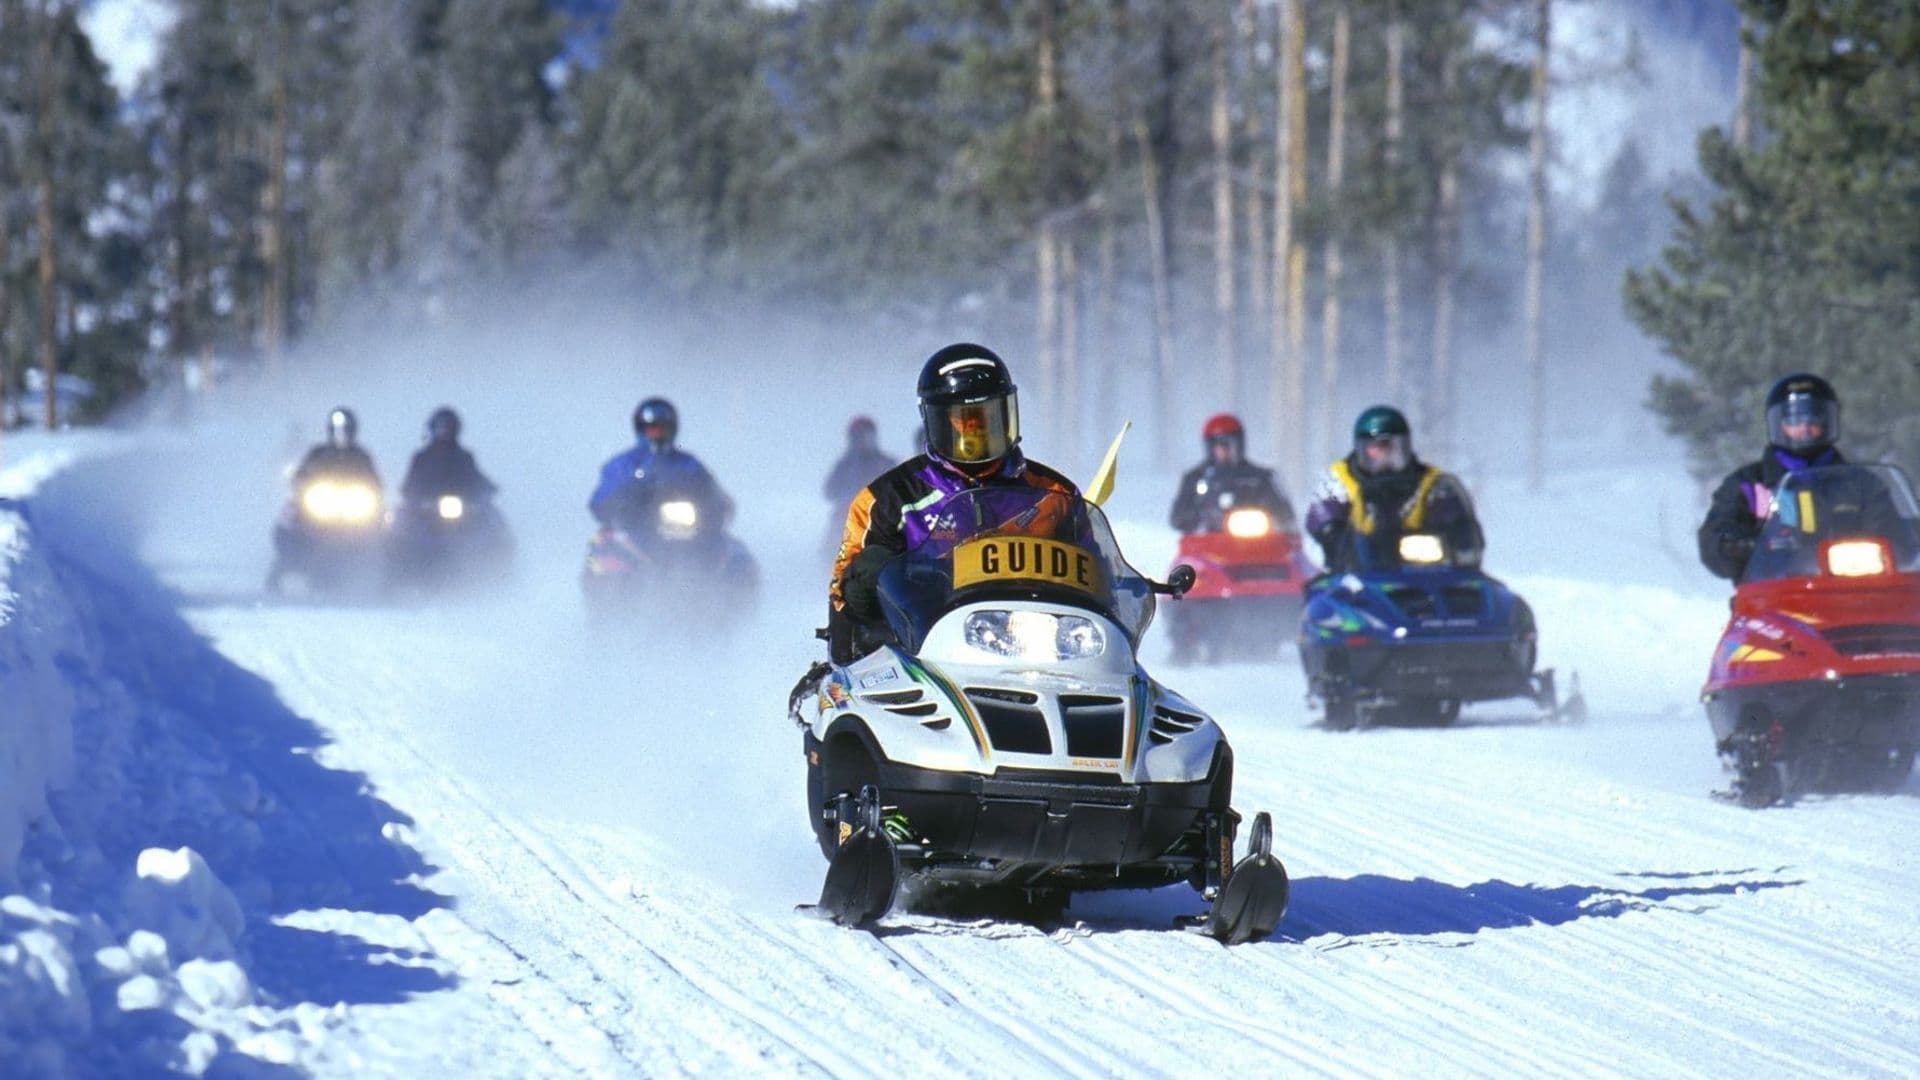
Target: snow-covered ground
[(470, 839)]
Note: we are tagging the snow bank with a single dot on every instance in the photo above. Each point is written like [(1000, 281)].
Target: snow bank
[(124, 782)]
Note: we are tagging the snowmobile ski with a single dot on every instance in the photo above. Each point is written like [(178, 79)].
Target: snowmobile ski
[(864, 877), (1254, 898)]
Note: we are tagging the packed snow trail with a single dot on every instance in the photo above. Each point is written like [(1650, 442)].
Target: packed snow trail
[(612, 838)]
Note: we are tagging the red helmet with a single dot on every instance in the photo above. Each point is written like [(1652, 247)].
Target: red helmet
[(1221, 425)]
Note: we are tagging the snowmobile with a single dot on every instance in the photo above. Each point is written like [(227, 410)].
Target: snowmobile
[(668, 550), (1415, 631), (446, 540), (1250, 572), (1007, 744), (329, 535), (1815, 685)]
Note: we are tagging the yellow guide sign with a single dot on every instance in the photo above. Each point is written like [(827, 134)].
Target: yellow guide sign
[(1024, 558)]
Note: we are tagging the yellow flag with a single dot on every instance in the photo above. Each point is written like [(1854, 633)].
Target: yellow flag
[(1102, 485)]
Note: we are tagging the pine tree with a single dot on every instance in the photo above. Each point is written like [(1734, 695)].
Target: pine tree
[(1805, 259)]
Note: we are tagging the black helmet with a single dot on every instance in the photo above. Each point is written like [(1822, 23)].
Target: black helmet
[(1382, 440), (342, 427), (656, 421), (970, 406), (1803, 415), (443, 424)]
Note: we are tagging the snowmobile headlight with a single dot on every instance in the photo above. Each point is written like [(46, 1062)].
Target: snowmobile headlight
[(1035, 635), (1857, 558), (1247, 524), (1421, 549), (452, 508), (334, 503), (679, 518)]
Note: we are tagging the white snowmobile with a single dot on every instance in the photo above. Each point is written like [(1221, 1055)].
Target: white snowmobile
[(1008, 743)]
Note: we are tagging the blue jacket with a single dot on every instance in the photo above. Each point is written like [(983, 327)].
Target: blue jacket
[(633, 471)]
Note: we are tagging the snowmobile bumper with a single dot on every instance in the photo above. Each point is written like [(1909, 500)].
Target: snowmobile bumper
[(1061, 829), (1471, 670), (1860, 710)]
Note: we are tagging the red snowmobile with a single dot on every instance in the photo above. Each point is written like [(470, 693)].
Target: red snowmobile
[(1816, 683), (1250, 573)]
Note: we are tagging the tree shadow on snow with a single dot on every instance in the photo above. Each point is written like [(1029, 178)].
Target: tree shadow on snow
[(1376, 904), (214, 760)]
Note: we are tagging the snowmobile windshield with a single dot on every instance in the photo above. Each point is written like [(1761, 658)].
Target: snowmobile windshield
[(1010, 543), (1839, 520)]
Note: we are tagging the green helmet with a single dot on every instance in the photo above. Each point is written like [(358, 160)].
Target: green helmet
[(1381, 420), (1382, 440)]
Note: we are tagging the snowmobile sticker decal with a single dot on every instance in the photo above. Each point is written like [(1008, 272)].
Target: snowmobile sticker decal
[(919, 673), (879, 678), (1025, 558)]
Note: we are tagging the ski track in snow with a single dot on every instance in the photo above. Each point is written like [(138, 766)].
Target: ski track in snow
[(621, 843)]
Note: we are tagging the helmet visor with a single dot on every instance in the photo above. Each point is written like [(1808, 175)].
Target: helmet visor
[(1382, 453), (975, 431), (1227, 449), (1803, 422)]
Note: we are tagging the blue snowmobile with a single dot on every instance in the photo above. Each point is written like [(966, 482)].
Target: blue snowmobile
[(1414, 631)]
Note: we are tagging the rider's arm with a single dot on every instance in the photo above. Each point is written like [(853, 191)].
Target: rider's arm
[(870, 539), (1728, 535), (615, 475), (1450, 512), (1185, 515), (1327, 515), (1275, 502), (413, 486)]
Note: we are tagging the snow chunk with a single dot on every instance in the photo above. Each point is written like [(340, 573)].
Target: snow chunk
[(140, 992), (176, 895), (215, 984)]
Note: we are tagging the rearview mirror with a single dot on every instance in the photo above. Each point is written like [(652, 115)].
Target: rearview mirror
[(1178, 582)]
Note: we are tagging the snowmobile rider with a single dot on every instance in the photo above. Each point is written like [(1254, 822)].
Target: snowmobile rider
[(443, 466), (1198, 506), (1381, 491), (339, 458), (971, 410), (862, 461), (340, 455), (1803, 423), (631, 479)]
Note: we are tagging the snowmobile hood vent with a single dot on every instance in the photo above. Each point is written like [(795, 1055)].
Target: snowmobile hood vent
[(1170, 724), (1096, 726), (1013, 720)]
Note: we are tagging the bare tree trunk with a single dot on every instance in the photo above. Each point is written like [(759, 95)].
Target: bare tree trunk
[(49, 344), (6, 313), (1290, 256), (43, 155), (1107, 331), (1445, 259), (1225, 291), (1396, 122), (1253, 30), (1537, 251), (273, 319), (1743, 88), (1163, 375), (1332, 270), (1047, 244), (1070, 404)]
